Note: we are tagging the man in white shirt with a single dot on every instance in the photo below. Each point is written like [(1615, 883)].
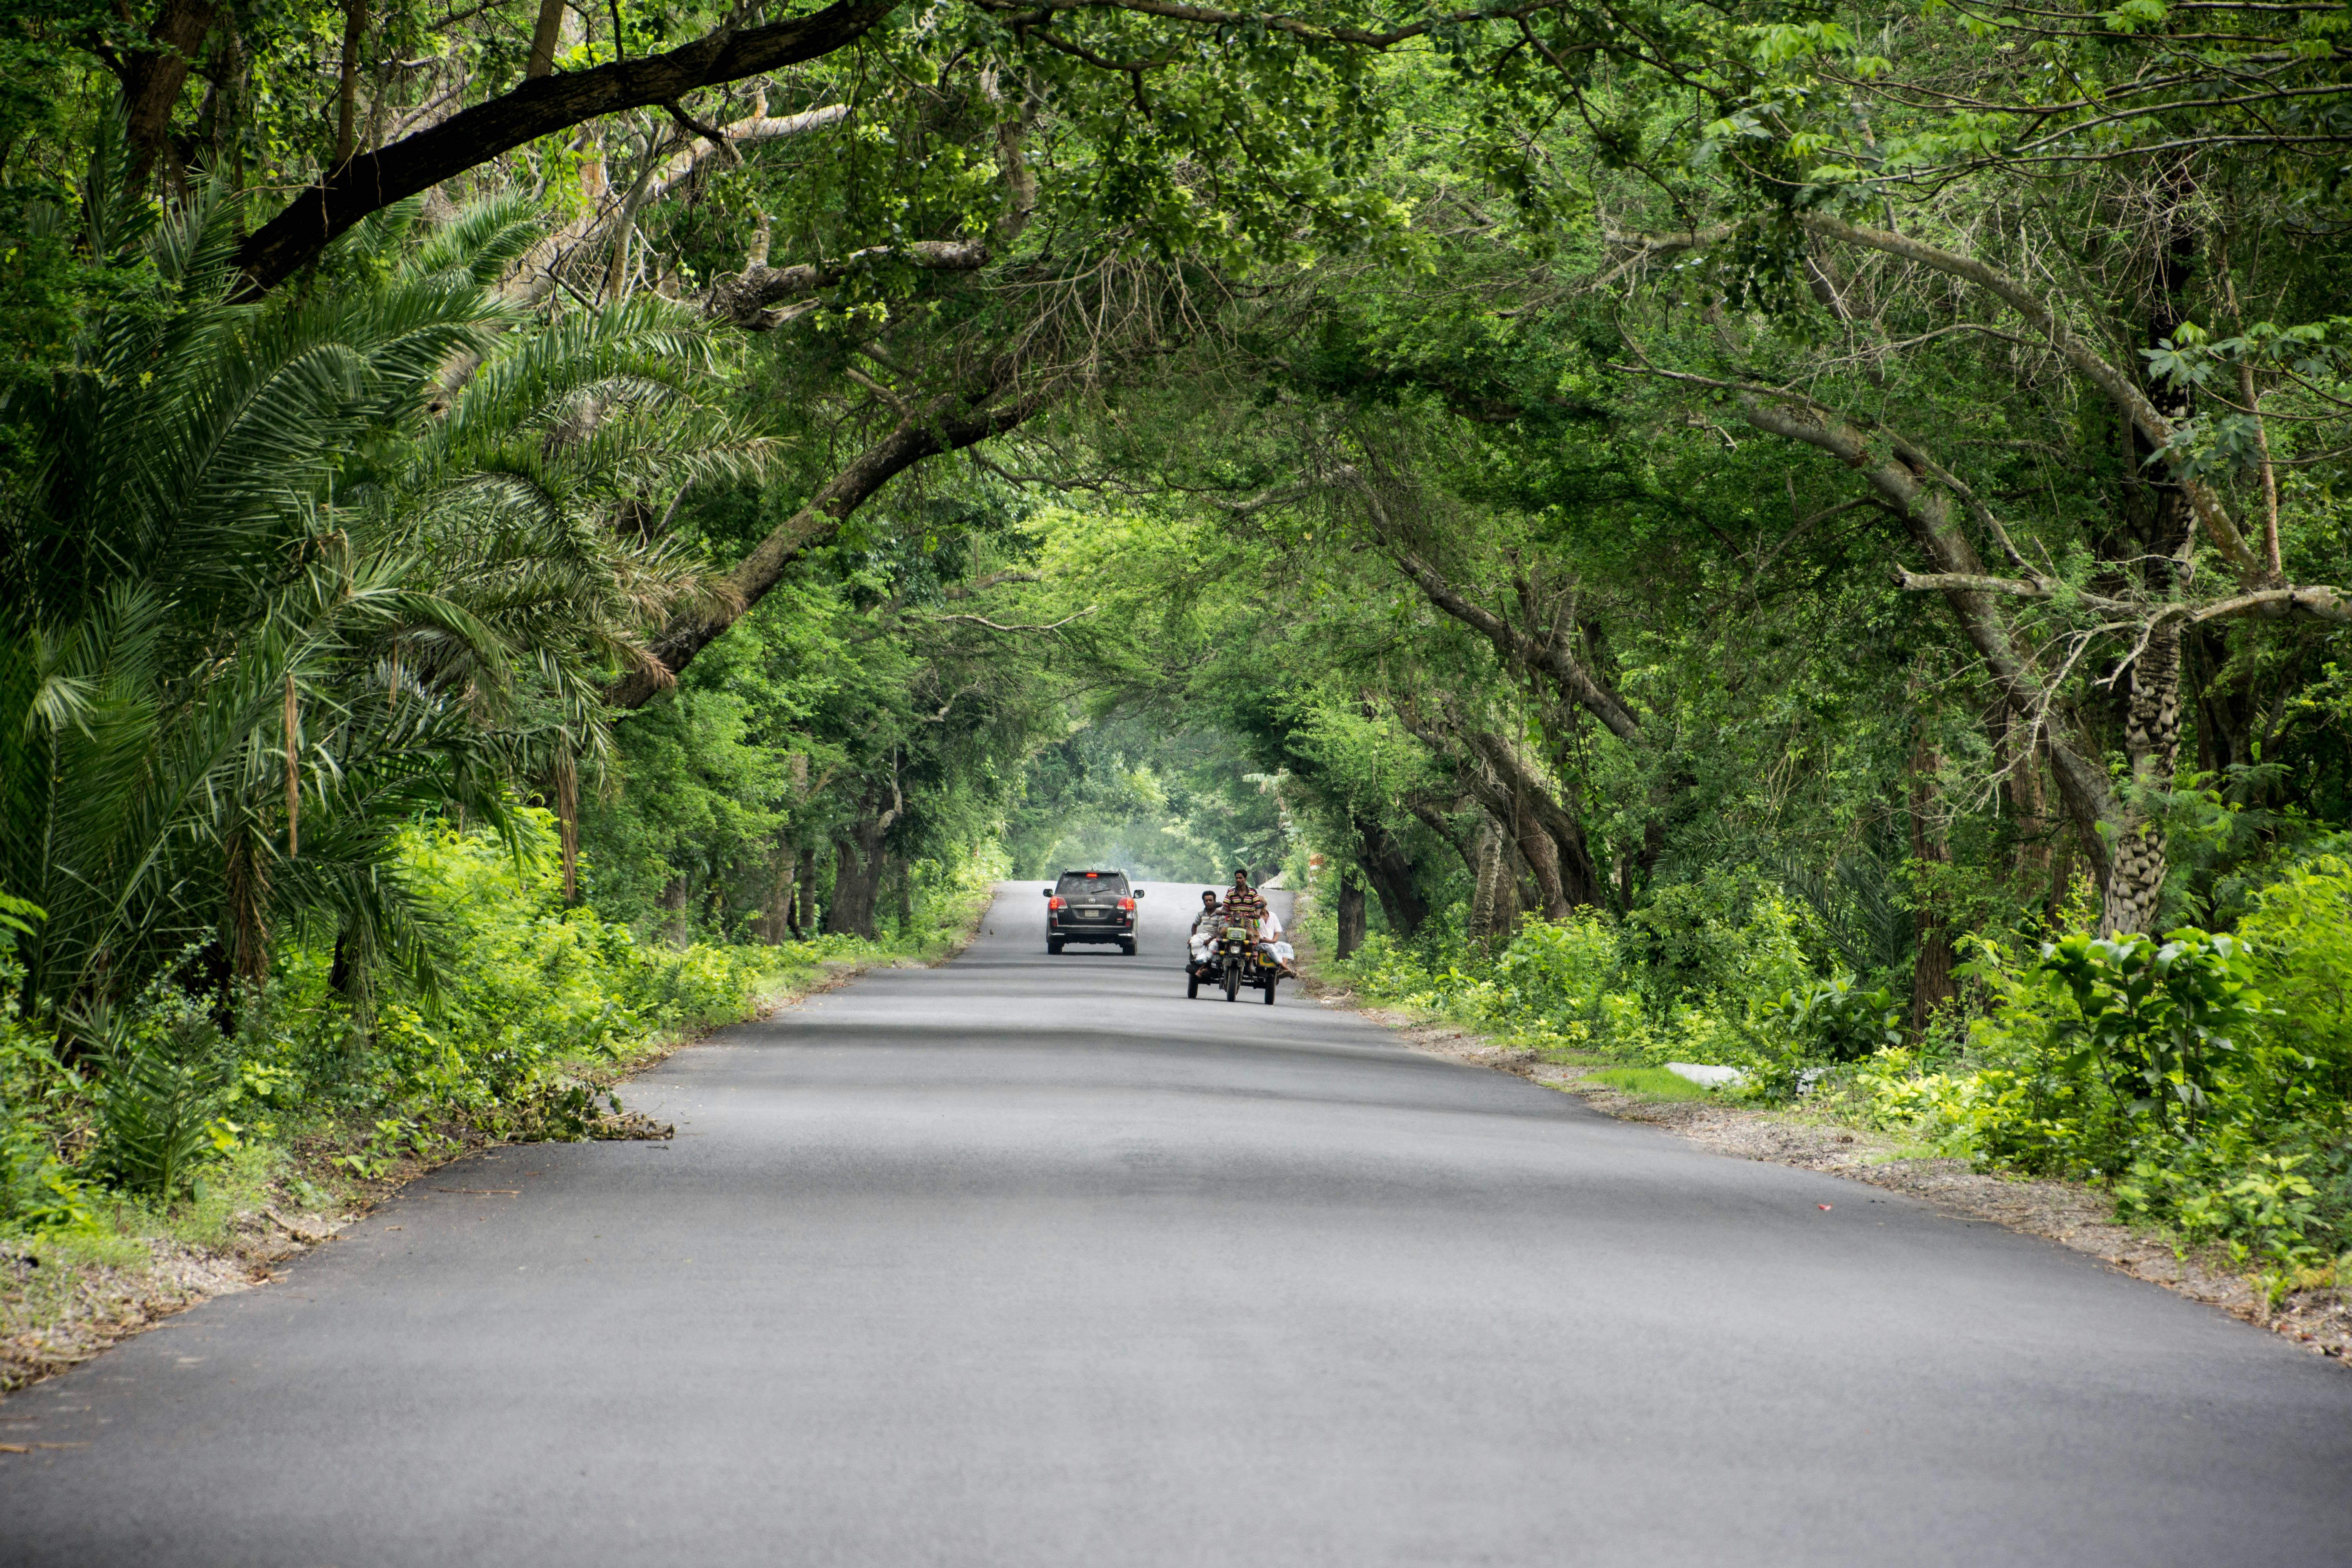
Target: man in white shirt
[(1270, 936)]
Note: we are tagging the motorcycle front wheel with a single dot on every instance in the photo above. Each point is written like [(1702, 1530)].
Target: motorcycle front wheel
[(1233, 981)]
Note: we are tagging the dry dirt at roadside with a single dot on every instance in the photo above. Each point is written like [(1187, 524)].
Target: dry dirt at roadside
[(2068, 1212), (54, 1315)]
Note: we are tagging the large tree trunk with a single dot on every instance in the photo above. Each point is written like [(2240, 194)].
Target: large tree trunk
[(1541, 856), (346, 82), (1494, 907), (543, 36), (901, 882), (1386, 866), (856, 881), (1351, 914), (152, 78), (1548, 834), (2024, 797), (1931, 970), (860, 861), (777, 923), (804, 920), (2135, 871), (673, 902)]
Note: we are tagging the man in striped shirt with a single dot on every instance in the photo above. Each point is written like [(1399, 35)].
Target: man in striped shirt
[(1242, 905)]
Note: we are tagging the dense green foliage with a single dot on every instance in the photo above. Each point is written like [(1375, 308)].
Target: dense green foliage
[(1802, 537)]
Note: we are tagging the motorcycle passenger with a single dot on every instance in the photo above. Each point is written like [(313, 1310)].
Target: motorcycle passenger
[(1205, 926), (1269, 942), (1267, 928)]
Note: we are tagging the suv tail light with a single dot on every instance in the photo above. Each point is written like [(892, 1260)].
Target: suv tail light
[(1054, 903), (1126, 904)]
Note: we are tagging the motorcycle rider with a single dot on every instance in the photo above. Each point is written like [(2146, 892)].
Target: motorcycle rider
[(1246, 907), (1242, 905)]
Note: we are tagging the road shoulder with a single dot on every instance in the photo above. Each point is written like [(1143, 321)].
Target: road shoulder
[(2072, 1214)]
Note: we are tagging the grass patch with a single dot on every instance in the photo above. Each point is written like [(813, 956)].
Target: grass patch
[(1650, 1083)]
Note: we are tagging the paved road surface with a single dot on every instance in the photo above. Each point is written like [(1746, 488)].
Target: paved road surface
[(1031, 1262)]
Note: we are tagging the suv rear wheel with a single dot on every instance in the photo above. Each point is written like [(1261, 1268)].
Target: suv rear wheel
[(1053, 945), (1127, 946)]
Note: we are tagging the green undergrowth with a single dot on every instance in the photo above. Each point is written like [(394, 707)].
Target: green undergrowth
[(170, 1119), (1649, 1083)]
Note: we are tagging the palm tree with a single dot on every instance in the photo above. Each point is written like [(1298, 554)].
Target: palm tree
[(286, 576)]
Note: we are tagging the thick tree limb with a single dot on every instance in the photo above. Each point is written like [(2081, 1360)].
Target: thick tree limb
[(2095, 367), (1047, 627), (749, 298), (539, 106), (949, 425), (1546, 655), (2318, 600), (533, 274), (2011, 587)]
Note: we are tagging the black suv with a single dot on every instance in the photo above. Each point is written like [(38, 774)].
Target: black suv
[(1091, 906)]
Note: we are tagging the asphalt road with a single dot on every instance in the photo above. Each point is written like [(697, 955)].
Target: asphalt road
[(1029, 1261)]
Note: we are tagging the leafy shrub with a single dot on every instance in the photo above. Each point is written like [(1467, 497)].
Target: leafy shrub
[(1718, 943), (529, 983), (1582, 983), (2163, 1068), (2096, 1051), (1562, 979), (160, 1099), (38, 1190), (2300, 934), (1836, 1020)]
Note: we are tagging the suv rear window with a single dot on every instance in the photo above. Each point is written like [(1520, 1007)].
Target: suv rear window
[(1092, 882)]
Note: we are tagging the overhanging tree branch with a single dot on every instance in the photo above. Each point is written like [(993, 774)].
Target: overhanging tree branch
[(539, 106), (947, 424), (2102, 372)]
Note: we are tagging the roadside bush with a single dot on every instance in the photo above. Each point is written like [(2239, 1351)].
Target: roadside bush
[(38, 1189), (162, 1098), (2164, 1069), (1587, 982), (528, 983), (1562, 978), (1718, 943), (1835, 1020), (2300, 934)]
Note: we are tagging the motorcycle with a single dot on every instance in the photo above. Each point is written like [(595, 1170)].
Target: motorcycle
[(1229, 956)]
